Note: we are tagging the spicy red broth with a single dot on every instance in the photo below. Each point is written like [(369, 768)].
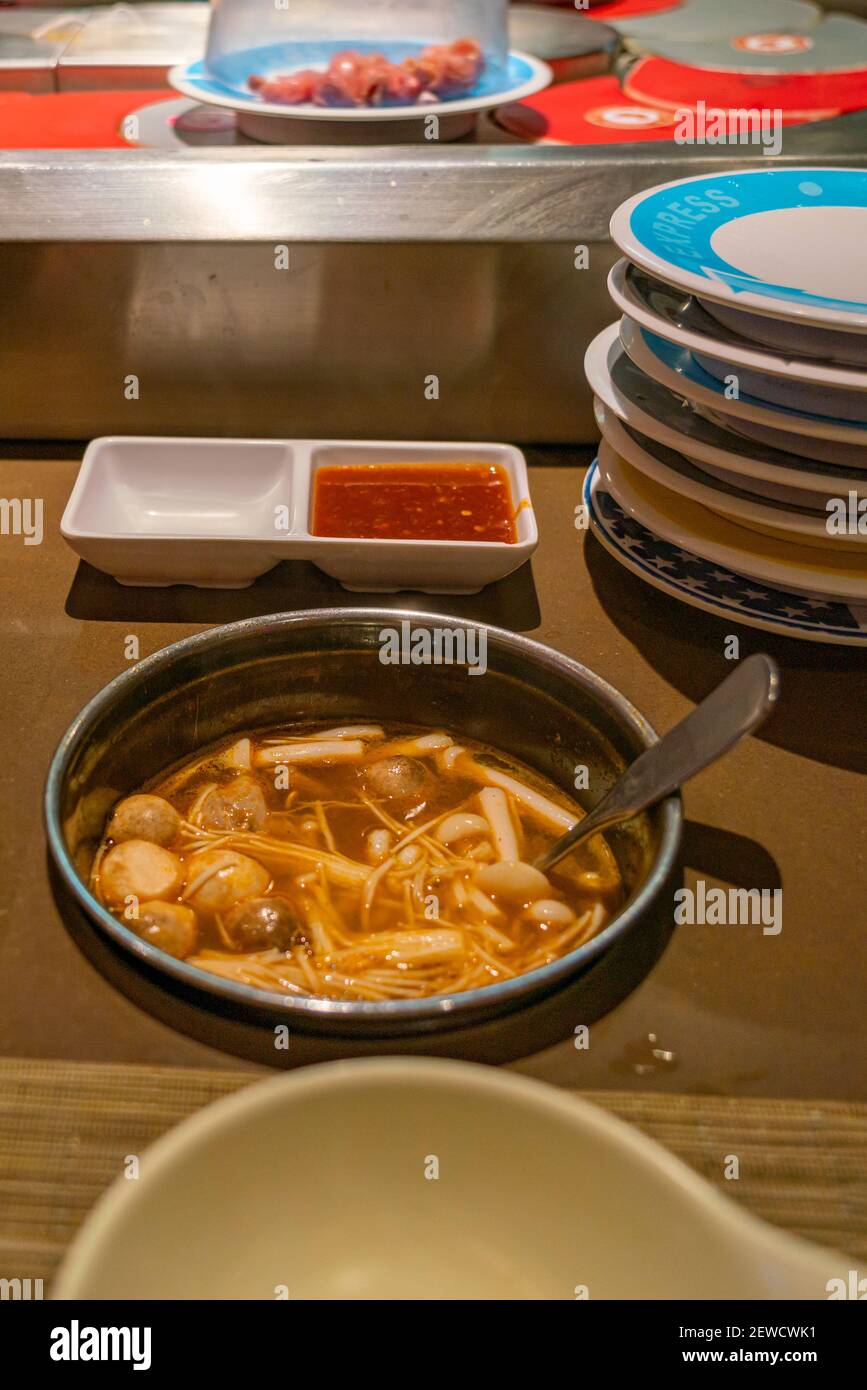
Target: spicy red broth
[(414, 501)]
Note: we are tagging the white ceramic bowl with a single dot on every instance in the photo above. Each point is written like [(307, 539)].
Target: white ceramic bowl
[(218, 513), (320, 1185)]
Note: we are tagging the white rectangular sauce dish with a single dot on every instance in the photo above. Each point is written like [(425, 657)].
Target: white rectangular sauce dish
[(219, 513)]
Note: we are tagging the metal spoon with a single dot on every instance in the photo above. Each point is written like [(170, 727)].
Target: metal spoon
[(738, 706)]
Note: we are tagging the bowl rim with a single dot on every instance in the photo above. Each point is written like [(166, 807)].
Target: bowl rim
[(441, 1008), (746, 1238)]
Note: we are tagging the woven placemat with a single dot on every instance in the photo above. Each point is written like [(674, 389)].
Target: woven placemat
[(66, 1129)]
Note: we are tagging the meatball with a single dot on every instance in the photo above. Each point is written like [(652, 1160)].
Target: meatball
[(219, 878), (144, 817), (260, 923), (139, 869), (394, 777), (239, 805), (170, 926)]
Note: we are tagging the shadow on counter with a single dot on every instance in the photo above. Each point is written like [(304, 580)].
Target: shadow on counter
[(291, 587), (250, 1035), (823, 687), (728, 857)]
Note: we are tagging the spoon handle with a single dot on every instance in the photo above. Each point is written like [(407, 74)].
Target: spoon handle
[(735, 708)]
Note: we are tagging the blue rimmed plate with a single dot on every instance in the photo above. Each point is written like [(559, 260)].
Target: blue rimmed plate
[(681, 319), (712, 587), (667, 416), (788, 243), (522, 76), (682, 371)]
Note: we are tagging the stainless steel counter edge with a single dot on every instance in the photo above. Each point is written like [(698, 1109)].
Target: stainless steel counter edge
[(472, 194)]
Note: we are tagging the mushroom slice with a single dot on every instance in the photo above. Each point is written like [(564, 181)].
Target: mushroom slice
[(548, 912), (364, 731), (378, 845), (514, 881), (460, 825), (239, 756), (338, 750), (505, 828)]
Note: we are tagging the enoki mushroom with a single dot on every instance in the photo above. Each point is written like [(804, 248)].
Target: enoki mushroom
[(358, 862)]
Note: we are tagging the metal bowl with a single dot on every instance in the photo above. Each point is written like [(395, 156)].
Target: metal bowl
[(325, 665)]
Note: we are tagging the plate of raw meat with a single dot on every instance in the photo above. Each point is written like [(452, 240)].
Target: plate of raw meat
[(362, 81)]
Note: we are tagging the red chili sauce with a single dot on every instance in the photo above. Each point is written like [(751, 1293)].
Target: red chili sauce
[(414, 501)]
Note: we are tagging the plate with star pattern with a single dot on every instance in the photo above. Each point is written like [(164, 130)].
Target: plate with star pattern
[(713, 587)]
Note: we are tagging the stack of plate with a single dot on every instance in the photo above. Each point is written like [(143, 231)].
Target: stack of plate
[(732, 398)]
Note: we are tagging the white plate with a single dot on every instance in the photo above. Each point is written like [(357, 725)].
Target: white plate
[(666, 416), (539, 1193), (699, 20), (795, 338), (678, 369), (559, 35), (638, 448), (218, 513), (797, 396), (836, 45), (525, 75), (808, 449), (675, 471), (680, 319), (788, 565), (775, 492), (710, 586), (779, 241)]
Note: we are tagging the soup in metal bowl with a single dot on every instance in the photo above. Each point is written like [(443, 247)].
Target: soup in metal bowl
[(383, 883)]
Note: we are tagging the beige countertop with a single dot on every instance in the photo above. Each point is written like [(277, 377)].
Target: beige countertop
[(731, 1011)]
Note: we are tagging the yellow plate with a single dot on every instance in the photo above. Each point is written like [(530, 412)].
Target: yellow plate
[(787, 563), (816, 541)]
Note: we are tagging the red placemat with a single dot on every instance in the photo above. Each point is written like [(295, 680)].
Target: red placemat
[(69, 120), (593, 112), (609, 10), (800, 96), (629, 9)]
